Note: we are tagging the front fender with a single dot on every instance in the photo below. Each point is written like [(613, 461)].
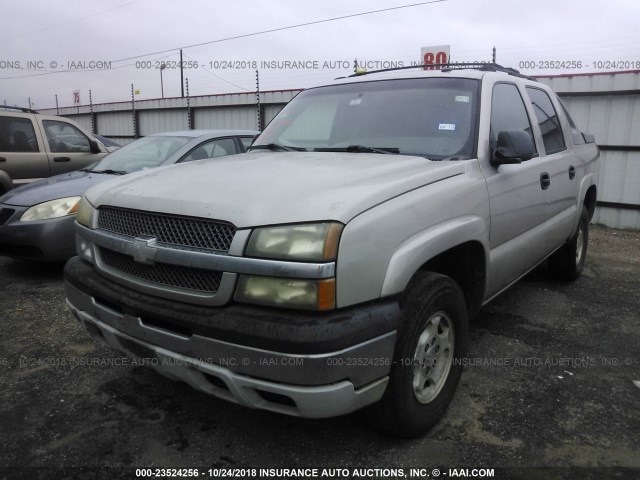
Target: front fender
[(429, 243), (6, 183)]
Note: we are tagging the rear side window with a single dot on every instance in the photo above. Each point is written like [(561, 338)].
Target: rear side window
[(246, 141), (576, 135), (547, 120), (508, 111), (220, 147), (17, 135), (65, 138)]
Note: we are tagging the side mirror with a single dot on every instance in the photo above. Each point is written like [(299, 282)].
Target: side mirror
[(513, 146), (93, 145)]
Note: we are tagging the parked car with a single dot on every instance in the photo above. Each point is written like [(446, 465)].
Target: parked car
[(336, 265), (36, 220), (109, 144), (34, 146)]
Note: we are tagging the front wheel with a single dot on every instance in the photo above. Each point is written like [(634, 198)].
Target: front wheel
[(567, 262), (427, 360)]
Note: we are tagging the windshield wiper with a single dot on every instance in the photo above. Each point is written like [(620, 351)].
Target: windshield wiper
[(358, 149), (107, 171), (275, 146)]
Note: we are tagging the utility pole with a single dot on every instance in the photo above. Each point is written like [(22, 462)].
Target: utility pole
[(258, 101), (133, 112), (162, 67), (91, 115), (181, 75), (493, 60), (189, 119)]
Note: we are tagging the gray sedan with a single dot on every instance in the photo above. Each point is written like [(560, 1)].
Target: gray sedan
[(36, 220)]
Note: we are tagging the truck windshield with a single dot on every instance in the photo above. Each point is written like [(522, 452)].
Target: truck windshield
[(430, 117)]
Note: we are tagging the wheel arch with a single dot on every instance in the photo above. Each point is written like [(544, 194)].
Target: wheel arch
[(6, 183), (590, 200), (457, 249)]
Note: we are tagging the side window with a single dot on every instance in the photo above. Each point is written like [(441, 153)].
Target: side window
[(576, 135), (17, 135), (246, 141), (548, 120), (508, 111), (212, 149), (65, 138)]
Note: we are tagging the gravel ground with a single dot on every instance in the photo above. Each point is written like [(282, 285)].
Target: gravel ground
[(549, 383)]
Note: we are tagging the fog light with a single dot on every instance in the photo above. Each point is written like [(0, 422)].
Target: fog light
[(84, 249)]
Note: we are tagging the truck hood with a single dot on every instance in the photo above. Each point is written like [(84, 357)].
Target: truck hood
[(60, 186), (267, 188)]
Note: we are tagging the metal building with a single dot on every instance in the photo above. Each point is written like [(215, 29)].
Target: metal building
[(125, 121), (607, 105)]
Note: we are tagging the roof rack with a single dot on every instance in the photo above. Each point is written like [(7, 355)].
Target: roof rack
[(22, 109), (447, 67)]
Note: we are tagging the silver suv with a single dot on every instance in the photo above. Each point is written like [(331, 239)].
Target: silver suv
[(34, 146), (336, 265)]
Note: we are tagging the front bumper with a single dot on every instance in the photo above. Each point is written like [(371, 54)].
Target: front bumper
[(51, 240), (310, 365)]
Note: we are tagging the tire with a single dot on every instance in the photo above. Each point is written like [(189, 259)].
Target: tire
[(426, 367), (567, 262)]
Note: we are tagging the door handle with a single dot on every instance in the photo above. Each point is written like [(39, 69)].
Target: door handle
[(545, 180), (572, 172), (2, 159), (61, 159)]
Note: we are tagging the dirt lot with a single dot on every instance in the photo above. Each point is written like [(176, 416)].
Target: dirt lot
[(549, 383)]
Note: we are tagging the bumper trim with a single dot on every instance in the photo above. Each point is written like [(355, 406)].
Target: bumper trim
[(361, 363), (271, 329), (319, 401)]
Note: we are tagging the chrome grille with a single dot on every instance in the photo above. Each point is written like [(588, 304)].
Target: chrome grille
[(169, 229), (163, 273)]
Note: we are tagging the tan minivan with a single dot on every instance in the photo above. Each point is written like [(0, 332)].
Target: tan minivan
[(34, 146)]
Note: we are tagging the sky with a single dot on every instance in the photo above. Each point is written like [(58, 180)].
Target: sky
[(58, 48)]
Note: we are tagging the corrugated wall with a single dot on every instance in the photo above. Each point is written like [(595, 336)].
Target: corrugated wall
[(227, 117), (153, 121), (270, 111), (608, 107), (113, 124), (237, 110)]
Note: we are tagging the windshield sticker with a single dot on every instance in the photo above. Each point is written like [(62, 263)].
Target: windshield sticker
[(462, 98), (355, 101), (447, 126)]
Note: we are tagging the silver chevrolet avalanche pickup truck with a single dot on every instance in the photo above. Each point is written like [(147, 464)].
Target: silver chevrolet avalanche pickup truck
[(336, 265)]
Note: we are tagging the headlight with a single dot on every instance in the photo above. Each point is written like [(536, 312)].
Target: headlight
[(52, 209), (313, 242), (85, 209), (285, 292)]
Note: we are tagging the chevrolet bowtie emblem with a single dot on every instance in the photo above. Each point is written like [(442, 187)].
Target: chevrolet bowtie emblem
[(144, 250)]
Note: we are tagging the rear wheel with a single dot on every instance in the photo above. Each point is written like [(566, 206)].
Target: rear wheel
[(431, 342), (568, 261)]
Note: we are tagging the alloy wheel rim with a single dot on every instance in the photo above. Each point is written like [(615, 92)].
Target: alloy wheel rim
[(433, 357), (579, 244)]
